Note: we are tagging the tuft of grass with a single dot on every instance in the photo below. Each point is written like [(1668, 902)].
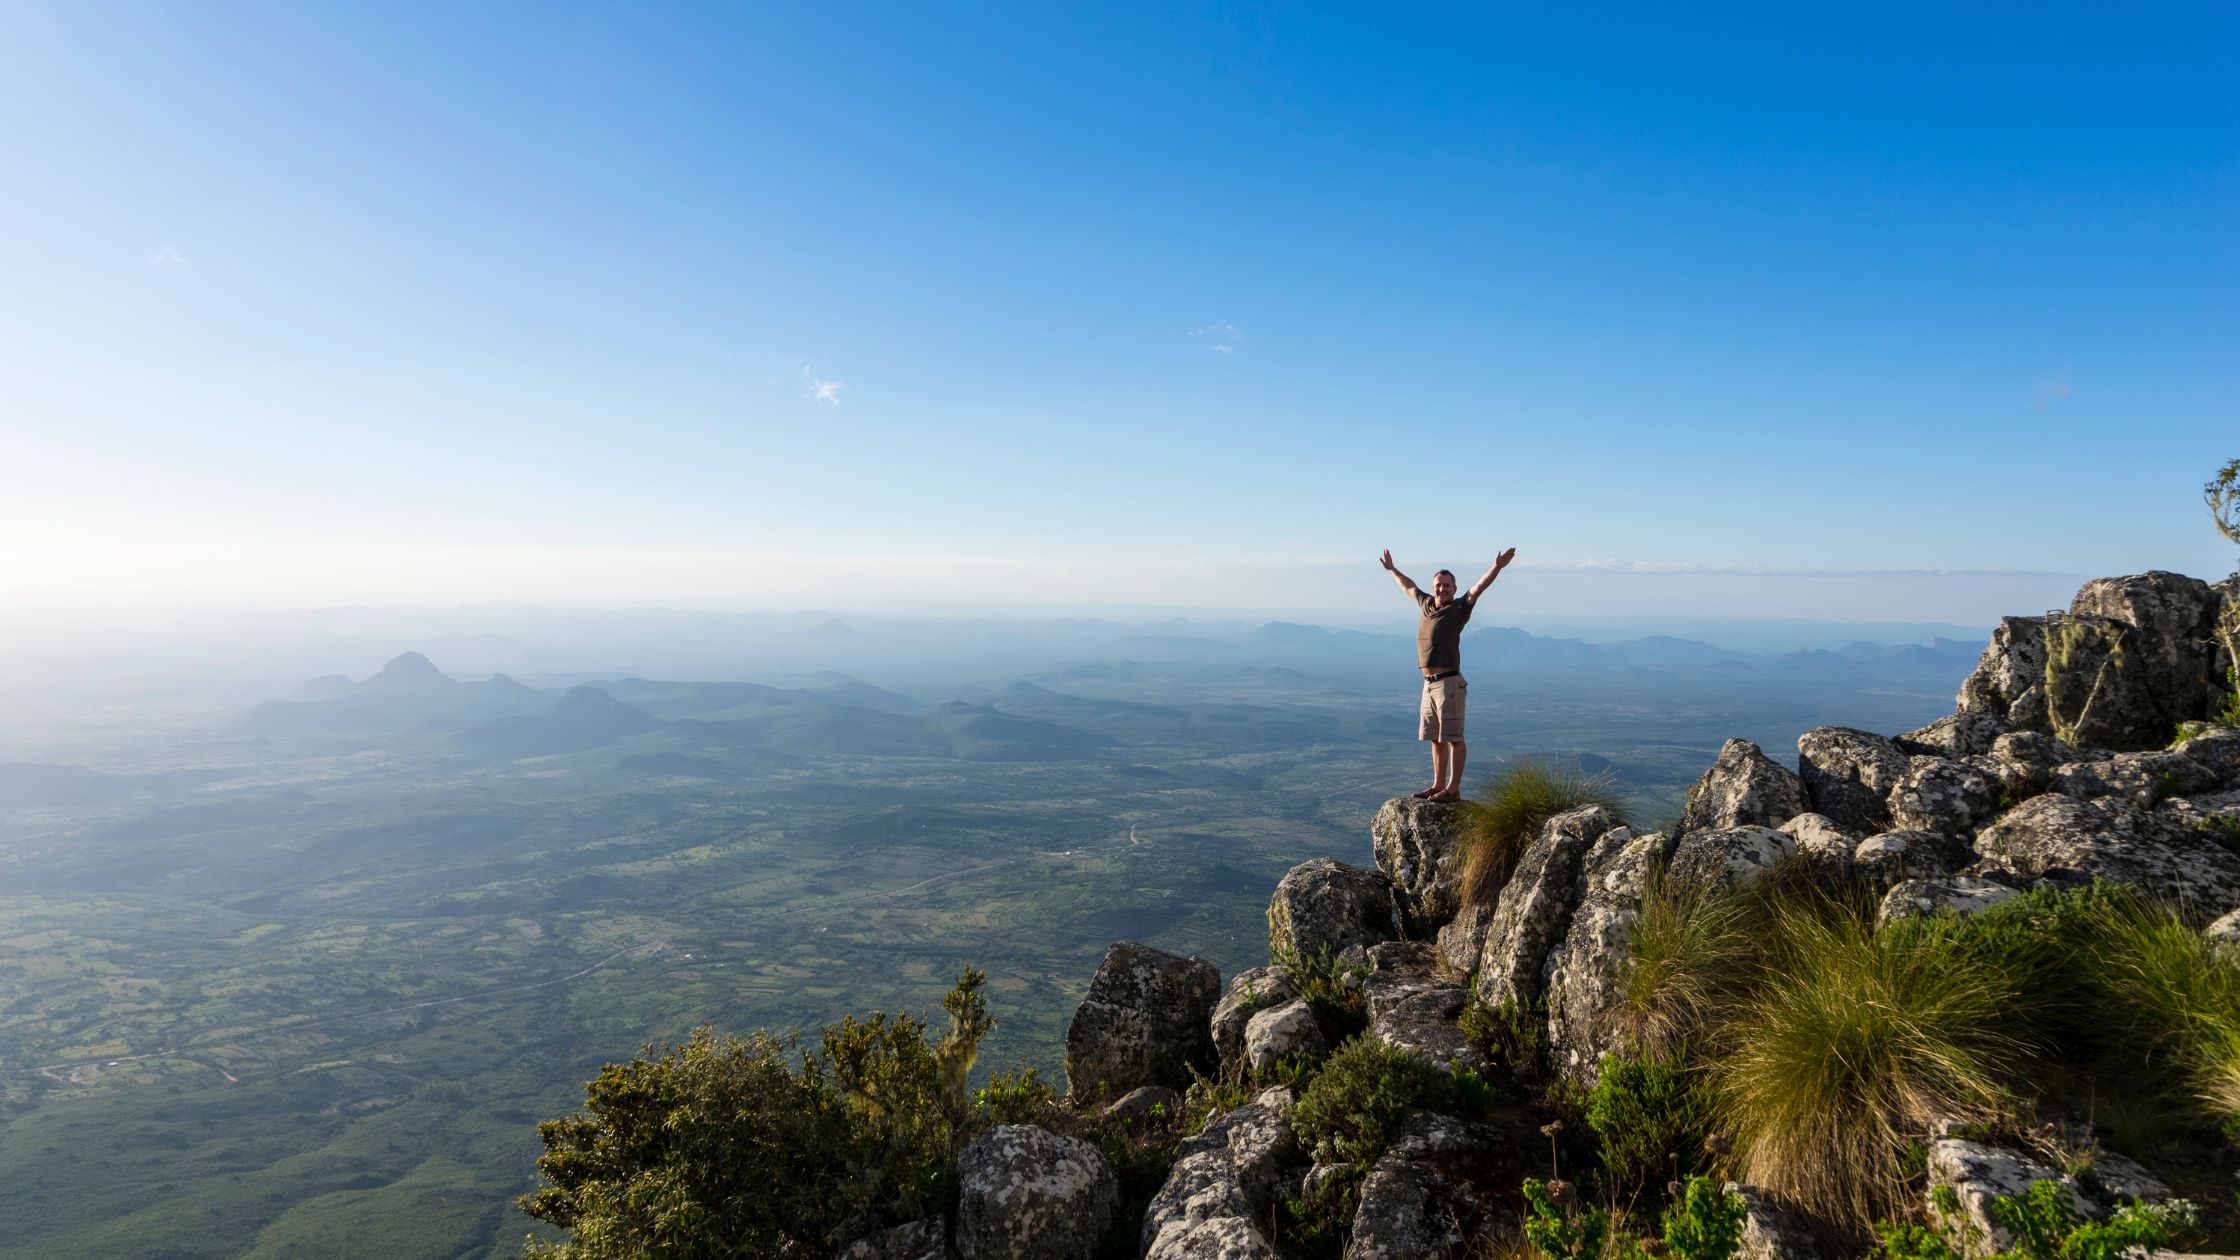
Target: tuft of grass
[(2179, 996), (1856, 1040), (1511, 807)]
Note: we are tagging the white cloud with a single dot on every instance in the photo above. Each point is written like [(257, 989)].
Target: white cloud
[(826, 392), (2050, 389), (167, 257), (1222, 335)]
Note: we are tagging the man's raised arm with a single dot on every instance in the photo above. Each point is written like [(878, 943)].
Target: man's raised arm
[(1398, 576), (1500, 562)]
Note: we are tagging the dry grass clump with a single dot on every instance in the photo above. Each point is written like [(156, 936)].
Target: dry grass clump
[(2179, 1001), (1509, 812)]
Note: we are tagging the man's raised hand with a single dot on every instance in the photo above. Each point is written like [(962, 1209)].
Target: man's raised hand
[(1386, 560), (1501, 561)]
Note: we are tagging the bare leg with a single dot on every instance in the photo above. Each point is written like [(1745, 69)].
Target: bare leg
[(1450, 788), (1438, 771)]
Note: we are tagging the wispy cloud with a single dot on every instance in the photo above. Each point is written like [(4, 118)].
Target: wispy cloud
[(2051, 389), (1714, 568), (167, 257), (1222, 335), (826, 392)]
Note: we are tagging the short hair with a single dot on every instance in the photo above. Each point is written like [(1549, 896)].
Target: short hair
[(1448, 574)]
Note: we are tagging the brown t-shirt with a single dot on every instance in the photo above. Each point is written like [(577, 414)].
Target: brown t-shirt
[(1439, 635)]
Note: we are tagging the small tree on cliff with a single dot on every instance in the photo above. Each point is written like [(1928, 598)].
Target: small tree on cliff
[(2222, 494)]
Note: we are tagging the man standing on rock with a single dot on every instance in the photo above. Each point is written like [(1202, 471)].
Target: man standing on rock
[(1439, 655)]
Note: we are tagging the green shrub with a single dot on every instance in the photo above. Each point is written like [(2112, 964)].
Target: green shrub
[(1019, 1097), (2176, 999), (1515, 801), (725, 1147), (1693, 953), (1353, 1109), (1649, 1116), (1515, 1034), (1556, 1226), (1704, 1222), (1332, 987)]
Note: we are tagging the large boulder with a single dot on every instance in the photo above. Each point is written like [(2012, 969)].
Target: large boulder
[(2067, 840), (1585, 970), (1414, 1006), (1223, 1180), (1280, 1033), (1464, 938), (2023, 762), (1025, 1193), (1250, 992), (1955, 735), (1430, 1193), (1952, 797), (1979, 1174), (1144, 1021), (1730, 857), (1849, 774), (1958, 895), (1892, 857), (1418, 846), (1821, 839), (1323, 904), (2009, 680), (1744, 787), (2169, 653), (1534, 910), (2141, 778)]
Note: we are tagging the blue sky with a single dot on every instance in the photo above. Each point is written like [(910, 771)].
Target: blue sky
[(1771, 312)]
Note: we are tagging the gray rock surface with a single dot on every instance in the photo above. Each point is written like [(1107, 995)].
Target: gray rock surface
[(1413, 1005), (2067, 840), (2141, 778), (1535, 908), (1283, 1032), (1325, 904), (1464, 938), (1957, 735), (1772, 1229), (1730, 857), (1585, 969), (1418, 847), (1250, 992), (1936, 794), (1744, 787), (2168, 655), (1979, 1173), (1429, 1194), (1025, 1193), (1144, 1021), (1223, 1179), (1960, 894), (1146, 1106), (1893, 857), (1848, 774), (2225, 931), (2009, 679), (2214, 748), (1821, 838), (2024, 761), (919, 1240)]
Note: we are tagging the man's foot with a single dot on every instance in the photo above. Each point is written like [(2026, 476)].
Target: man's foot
[(1445, 794), (1424, 795)]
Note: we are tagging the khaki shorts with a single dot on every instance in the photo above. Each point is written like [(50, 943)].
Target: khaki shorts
[(1442, 709)]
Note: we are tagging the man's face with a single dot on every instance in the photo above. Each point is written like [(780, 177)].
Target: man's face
[(1442, 589)]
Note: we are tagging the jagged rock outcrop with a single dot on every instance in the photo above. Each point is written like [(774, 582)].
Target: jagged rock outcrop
[(1959, 894), (1146, 1020), (1250, 992), (1025, 1193), (1429, 1194), (1418, 846), (1848, 774), (1585, 970), (1464, 938), (1534, 910), (1730, 857), (2167, 660), (1222, 1182), (1941, 795), (1280, 1033), (1954, 735), (1412, 1005), (1744, 787), (2066, 840), (1772, 1229), (1325, 904)]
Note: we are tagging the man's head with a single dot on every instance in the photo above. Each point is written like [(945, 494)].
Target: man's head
[(1442, 588)]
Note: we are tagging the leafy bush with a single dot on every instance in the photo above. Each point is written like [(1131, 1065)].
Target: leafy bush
[(725, 1147), (1704, 1222), (1649, 1116), (1352, 1111), (1556, 1226), (1333, 989), (1519, 797), (2045, 1227)]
